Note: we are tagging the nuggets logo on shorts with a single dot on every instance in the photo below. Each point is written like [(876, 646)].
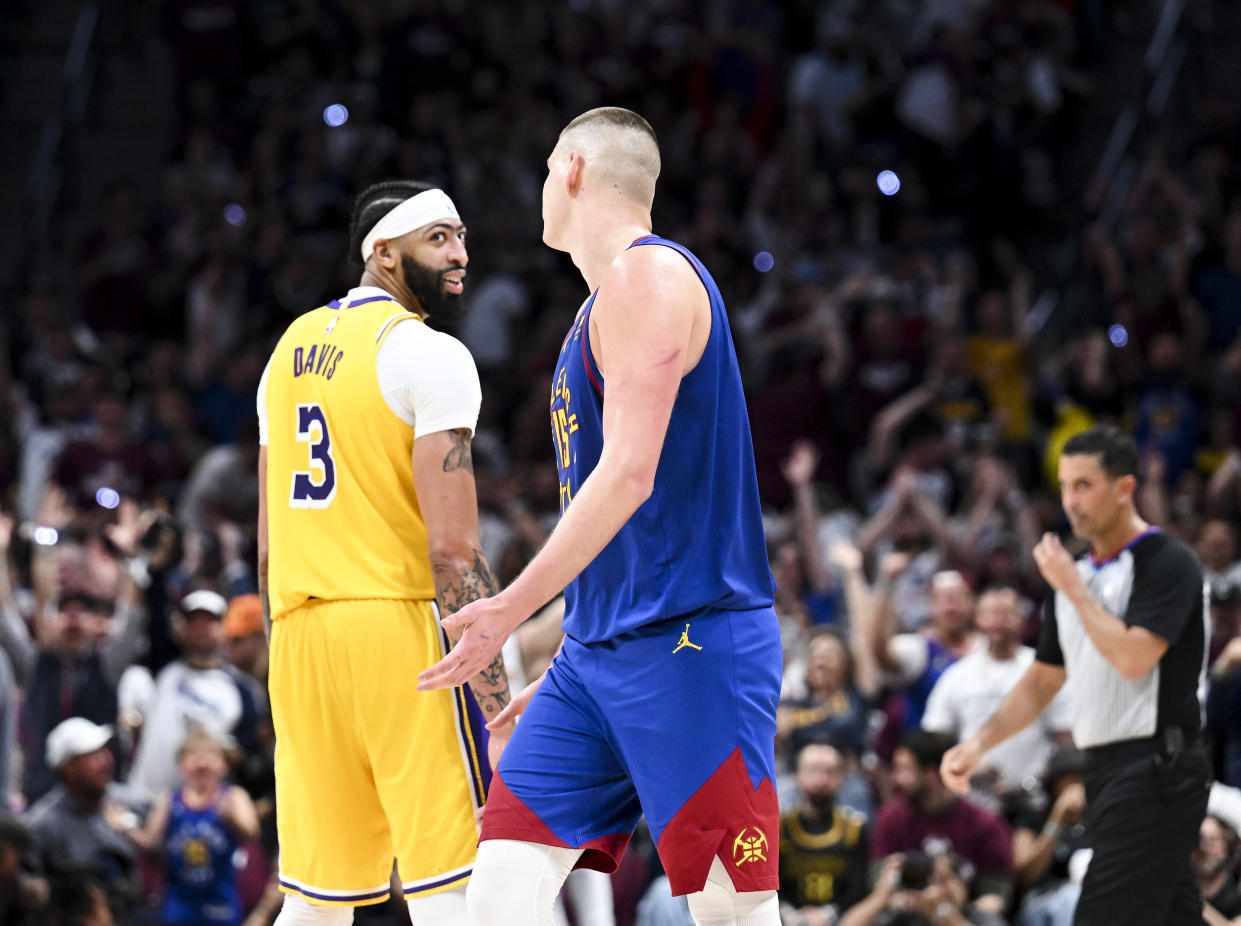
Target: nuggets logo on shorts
[(750, 846)]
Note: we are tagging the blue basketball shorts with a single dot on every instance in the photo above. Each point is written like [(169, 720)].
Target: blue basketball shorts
[(675, 720)]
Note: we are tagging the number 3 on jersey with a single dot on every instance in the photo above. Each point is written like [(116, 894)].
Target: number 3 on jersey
[(316, 487)]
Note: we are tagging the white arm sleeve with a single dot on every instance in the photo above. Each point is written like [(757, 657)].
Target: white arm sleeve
[(428, 379), (261, 404)]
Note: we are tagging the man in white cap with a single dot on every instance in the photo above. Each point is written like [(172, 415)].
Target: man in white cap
[(368, 507), (199, 690), (68, 825)]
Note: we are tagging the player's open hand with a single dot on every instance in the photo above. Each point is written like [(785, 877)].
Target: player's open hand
[(514, 708), (960, 762), (482, 627)]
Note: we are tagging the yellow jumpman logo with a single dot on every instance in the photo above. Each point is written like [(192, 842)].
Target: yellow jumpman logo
[(684, 642)]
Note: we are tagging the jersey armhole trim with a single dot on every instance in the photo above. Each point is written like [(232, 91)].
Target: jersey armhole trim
[(392, 322), (588, 355), (703, 276)]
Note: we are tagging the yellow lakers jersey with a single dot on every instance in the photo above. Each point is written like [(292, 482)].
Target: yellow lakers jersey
[(343, 519)]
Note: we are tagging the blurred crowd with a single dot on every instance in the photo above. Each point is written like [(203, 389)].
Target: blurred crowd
[(878, 187)]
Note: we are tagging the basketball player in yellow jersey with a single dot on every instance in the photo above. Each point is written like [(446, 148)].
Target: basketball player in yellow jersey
[(367, 517)]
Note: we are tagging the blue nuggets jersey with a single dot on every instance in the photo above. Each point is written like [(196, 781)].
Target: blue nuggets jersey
[(202, 883), (697, 542)]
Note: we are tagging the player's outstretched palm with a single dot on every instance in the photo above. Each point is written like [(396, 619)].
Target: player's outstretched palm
[(501, 726), (482, 626), (516, 707)]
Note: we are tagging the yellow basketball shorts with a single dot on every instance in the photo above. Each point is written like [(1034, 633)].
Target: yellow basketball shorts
[(368, 768)]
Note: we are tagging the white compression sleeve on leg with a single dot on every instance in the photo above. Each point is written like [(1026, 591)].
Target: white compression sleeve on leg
[(589, 894), (299, 912), (447, 908), (720, 904), (516, 883)]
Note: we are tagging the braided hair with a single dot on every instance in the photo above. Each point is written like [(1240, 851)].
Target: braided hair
[(376, 201)]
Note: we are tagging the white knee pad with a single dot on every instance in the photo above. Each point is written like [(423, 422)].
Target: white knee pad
[(720, 904), (447, 908), (516, 883), (300, 912)]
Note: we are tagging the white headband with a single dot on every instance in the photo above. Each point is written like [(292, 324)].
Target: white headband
[(413, 213)]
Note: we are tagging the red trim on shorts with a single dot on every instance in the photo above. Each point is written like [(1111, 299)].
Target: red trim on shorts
[(508, 817), (728, 818)]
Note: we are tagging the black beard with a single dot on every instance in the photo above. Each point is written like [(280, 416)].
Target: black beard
[(822, 803), (427, 286)]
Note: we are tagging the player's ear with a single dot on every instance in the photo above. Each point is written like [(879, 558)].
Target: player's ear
[(385, 254), (573, 174)]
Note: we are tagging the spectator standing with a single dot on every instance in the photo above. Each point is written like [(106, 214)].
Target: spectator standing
[(832, 711), (970, 690), (820, 599), (70, 668), (247, 651), (73, 825), (199, 827), (200, 690), (915, 661), (247, 646), (823, 845)]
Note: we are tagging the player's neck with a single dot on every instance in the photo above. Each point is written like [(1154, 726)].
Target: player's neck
[(1124, 532), (601, 238), (392, 286)]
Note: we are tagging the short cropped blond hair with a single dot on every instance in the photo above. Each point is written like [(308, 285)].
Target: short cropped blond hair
[(197, 738), (620, 148)]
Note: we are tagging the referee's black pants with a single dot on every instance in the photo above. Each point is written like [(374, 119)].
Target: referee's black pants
[(1143, 811)]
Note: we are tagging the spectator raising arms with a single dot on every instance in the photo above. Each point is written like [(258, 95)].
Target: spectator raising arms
[(198, 827)]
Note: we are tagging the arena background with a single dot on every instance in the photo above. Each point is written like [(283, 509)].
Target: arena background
[(950, 234)]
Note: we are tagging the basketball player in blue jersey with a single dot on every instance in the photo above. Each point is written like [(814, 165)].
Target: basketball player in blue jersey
[(662, 700)]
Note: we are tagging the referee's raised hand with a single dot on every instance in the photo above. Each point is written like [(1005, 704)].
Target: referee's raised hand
[(959, 764), (1055, 563)]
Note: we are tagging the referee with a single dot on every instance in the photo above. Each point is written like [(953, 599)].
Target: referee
[(1127, 624)]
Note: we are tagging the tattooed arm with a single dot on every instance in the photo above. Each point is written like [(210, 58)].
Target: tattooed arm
[(444, 480)]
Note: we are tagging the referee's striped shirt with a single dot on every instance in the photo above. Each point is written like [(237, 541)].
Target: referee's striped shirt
[(1155, 582)]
